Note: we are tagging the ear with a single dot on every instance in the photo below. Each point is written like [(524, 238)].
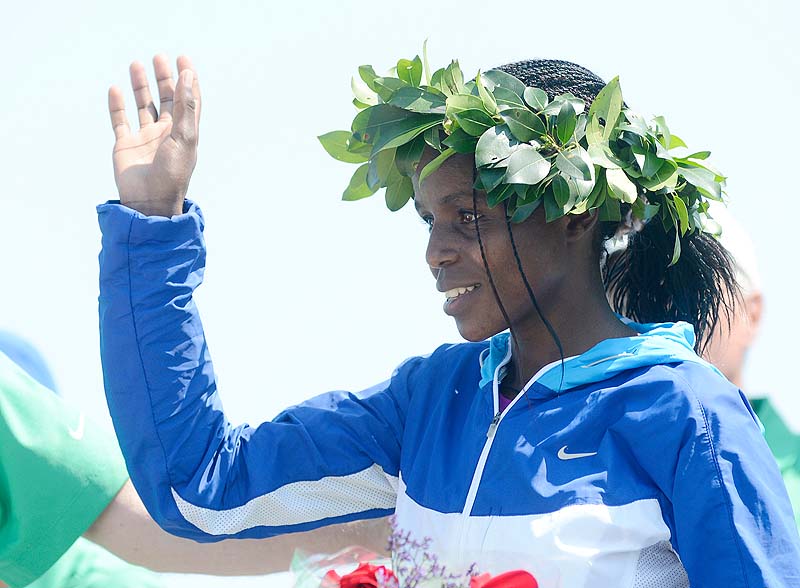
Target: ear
[(579, 226), (754, 307)]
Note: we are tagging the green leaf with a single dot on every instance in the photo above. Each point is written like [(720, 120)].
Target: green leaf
[(524, 124), (575, 163), (461, 102), (636, 124), (433, 138), (683, 213), (489, 103), (435, 164), (336, 143), (473, 121), (398, 193), (499, 194), (501, 79), (425, 65), (594, 131), (385, 126), (565, 122), (621, 186), (367, 73), (598, 194), (665, 176), (379, 168), (386, 87), (554, 106), (526, 166), (608, 106), (461, 141), (652, 163), (699, 155), (408, 156), (358, 187), (451, 80), (362, 92), (662, 131), (505, 99), (704, 180), (552, 210), (535, 98), (561, 190), (676, 141), (610, 211), (524, 211), (410, 71), (417, 100), (676, 251), (491, 177), (644, 212), (494, 145), (601, 155)]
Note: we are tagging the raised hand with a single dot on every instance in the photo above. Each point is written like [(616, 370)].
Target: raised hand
[(153, 166)]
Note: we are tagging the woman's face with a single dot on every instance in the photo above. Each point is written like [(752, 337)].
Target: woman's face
[(445, 203)]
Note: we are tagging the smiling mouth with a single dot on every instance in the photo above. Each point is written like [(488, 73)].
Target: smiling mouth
[(454, 293)]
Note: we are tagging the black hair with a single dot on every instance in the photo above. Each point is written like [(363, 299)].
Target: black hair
[(699, 288)]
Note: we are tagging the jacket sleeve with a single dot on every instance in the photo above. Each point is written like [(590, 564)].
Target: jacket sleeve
[(726, 504), (198, 475)]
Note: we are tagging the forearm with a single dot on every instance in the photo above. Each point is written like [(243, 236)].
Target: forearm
[(126, 530)]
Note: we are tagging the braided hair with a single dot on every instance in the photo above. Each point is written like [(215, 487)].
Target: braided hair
[(640, 284)]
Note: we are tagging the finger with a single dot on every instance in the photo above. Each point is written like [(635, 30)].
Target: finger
[(185, 63), (141, 91), (116, 108), (166, 86), (184, 125)]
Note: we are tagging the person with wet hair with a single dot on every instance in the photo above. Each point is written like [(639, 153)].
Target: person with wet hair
[(588, 448)]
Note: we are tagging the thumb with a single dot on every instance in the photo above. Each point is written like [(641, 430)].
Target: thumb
[(184, 114)]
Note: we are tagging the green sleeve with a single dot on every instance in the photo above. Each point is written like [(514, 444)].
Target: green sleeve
[(58, 472), (785, 446), (86, 565)]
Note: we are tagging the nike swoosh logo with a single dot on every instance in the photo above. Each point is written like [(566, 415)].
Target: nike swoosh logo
[(562, 454), (77, 433)]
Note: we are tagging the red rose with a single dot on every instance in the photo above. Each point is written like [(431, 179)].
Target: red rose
[(513, 579), (364, 576)]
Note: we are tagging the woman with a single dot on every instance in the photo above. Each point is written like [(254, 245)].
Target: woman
[(590, 450)]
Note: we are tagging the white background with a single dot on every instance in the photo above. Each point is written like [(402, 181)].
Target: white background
[(304, 291)]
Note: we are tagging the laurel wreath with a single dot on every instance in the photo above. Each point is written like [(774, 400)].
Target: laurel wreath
[(529, 151)]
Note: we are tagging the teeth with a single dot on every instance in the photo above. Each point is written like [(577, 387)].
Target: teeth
[(456, 292)]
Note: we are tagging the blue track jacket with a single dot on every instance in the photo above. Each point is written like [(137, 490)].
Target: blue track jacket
[(638, 465)]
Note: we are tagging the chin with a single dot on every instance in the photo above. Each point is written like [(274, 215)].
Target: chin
[(473, 332)]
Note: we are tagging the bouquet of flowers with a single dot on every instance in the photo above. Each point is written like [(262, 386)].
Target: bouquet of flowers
[(412, 565)]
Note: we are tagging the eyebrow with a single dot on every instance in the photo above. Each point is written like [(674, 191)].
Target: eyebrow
[(460, 195)]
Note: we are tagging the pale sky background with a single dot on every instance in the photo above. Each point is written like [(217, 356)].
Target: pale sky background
[(305, 293)]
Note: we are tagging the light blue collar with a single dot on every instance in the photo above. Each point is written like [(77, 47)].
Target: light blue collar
[(656, 343)]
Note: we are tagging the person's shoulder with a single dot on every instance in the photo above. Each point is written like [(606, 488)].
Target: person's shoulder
[(454, 353), (695, 386), (448, 358)]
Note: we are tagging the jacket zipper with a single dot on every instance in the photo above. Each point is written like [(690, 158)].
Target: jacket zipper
[(490, 435)]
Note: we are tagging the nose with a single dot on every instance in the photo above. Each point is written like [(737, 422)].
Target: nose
[(442, 248)]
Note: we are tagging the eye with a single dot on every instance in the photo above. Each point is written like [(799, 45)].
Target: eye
[(428, 221), (468, 216)]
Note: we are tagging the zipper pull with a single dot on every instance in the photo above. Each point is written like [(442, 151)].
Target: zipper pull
[(493, 426)]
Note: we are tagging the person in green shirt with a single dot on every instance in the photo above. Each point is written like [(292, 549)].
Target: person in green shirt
[(57, 475), (62, 477), (728, 351)]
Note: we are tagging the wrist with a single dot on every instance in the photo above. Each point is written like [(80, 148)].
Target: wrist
[(149, 208)]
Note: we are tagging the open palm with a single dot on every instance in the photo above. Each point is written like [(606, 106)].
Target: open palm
[(153, 166)]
